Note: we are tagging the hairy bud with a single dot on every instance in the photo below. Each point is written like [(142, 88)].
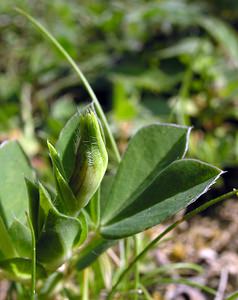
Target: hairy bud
[(91, 159)]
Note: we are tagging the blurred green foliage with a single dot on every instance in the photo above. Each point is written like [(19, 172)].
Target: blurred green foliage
[(147, 60), (166, 60)]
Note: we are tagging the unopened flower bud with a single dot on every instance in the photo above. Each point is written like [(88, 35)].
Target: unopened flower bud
[(91, 159)]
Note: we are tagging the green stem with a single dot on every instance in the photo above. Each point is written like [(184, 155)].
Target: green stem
[(85, 294), (26, 111), (183, 95), (137, 275), (145, 292), (185, 282), (123, 256), (85, 82), (179, 108), (167, 230), (33, 271), (122, 251)]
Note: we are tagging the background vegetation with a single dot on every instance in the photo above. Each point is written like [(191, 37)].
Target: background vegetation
[(165, 60)]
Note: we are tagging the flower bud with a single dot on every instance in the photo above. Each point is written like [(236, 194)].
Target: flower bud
[(91, 159)]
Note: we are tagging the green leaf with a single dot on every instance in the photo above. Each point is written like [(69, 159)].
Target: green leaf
[(66, 144), (58, 233), (94, 208), (66, 199), (45, 204), (181, 183), (20, 269), (153, 148), (55, 159), (57, 239), (21, 237), (91, 252), (50, 284), (33, 257), (224, 34), (13, 193), (187, 46), (105, 189), (34, 204), (6, 245), (124, 105), (83, 234)]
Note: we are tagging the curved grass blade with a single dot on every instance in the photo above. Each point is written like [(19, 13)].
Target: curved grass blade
[(85, 82)]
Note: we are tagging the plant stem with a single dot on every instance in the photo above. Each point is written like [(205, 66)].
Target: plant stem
[(85, 82), (33, 271), (183, 95), (179, 108), (167, 230), (122, 251), (85, 294), (186, 282), (145, 292), (137, 275)]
